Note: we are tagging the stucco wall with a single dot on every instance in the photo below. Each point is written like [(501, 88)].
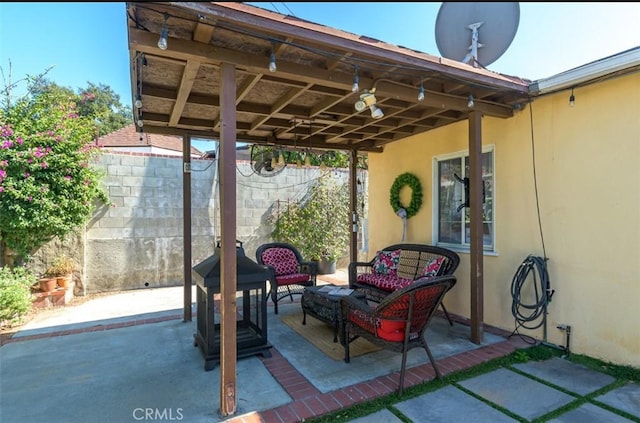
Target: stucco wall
[(586, 160), (139, 243)]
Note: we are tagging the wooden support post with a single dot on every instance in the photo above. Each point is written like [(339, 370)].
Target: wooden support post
[(186, 224), (475, 210), (353, 206), (228, 268)]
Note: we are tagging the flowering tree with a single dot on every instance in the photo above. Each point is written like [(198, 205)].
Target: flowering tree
[(47, 186)]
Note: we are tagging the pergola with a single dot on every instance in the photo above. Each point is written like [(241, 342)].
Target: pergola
[(234, 72)]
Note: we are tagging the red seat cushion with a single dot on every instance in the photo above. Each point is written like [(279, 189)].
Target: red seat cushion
[(389, 330), (293, 278), (388, 283)]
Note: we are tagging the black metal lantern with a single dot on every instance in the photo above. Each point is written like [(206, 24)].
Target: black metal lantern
[(251, 320)]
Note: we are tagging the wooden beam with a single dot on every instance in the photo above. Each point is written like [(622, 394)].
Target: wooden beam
[(317, 143), (188, 78), (475, 211), (228, 271), (203, 33), (283, 101)]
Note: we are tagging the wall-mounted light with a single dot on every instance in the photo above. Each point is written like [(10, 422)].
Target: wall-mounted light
[(470, 102), (355, 87), (572, 99), (272, 59), (421, 91), (367, 99), (162, 42)]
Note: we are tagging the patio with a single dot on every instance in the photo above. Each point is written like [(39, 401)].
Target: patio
[(117, 355)]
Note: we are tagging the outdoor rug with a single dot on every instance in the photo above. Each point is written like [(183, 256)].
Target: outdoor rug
[(320, 335)]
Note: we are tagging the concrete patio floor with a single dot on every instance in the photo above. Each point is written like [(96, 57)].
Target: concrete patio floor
[(118, 358)]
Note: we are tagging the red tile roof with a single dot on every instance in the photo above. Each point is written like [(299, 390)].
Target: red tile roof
[(129, 137)]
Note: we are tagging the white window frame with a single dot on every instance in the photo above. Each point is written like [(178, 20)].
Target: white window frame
[(463, 246)]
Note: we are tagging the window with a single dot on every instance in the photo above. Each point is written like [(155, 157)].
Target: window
[(451, 218)]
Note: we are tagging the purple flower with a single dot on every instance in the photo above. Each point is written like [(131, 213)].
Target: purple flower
[(44, 165), (30, 198), (1, 188), (4, 163), (26, 175), (68, 177), (3, 173), (19, 140)]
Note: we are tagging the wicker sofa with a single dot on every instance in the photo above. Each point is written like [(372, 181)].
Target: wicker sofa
[(397, 266)]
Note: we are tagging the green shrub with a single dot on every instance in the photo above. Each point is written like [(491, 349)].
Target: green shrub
[(15, 293)]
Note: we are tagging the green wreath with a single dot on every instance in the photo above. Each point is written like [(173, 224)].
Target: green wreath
[(412, 182)]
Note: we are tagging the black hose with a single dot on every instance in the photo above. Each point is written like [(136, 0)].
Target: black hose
[(527, 314)]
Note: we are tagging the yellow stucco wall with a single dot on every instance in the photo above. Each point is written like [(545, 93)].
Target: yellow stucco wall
[(588, 177)]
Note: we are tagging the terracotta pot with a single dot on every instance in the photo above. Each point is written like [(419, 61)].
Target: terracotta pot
[(47, 284), (64, 281)]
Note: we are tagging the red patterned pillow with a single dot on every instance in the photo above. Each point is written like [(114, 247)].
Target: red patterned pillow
[(386, 262), (432, 267), (282, 259)]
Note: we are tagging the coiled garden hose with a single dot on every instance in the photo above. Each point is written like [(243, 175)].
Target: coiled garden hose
[(527, 313)]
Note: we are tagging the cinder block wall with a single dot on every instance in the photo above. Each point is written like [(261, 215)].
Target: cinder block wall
[(138, 242)]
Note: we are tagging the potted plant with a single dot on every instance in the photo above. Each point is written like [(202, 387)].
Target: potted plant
[(62, 270), (318, 225)]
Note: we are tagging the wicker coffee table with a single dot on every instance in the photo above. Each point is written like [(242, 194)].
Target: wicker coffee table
[(323, 303)]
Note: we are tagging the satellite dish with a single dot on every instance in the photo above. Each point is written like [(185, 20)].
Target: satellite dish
[(476, 33), (264, 162)]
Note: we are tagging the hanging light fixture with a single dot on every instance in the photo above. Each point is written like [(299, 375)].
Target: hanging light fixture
[(272, 60), (470, 102), (138, 102), (355, 87), (367, 99), (421, 91), (572, 99), (164, 33)]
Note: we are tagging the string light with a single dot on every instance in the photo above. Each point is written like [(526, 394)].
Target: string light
[(470, 103), (272, 60), (572, 99), (162, 42), (421, 92), (355, 87)]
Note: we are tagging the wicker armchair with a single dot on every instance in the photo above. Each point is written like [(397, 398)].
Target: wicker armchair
[(398, 323), (290, 274)]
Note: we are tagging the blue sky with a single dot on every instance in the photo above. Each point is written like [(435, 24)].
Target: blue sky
[(87, 42)]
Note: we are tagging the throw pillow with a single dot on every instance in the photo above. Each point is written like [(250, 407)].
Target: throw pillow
[(432, 267), (386, 262), (282, 259)]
